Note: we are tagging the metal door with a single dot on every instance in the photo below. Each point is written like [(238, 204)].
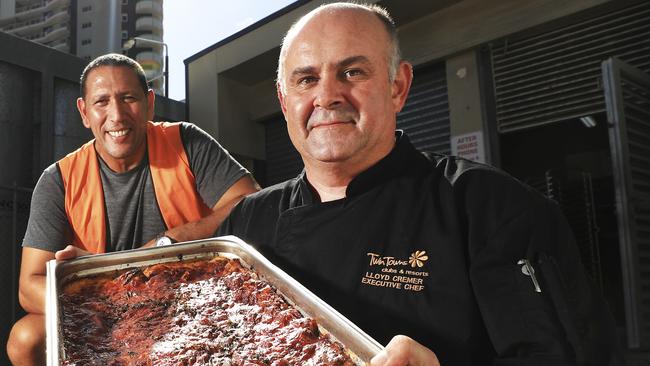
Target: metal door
[(627, 96), (425, 116)]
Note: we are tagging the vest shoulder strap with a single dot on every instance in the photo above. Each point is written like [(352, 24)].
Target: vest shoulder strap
[(84, 198), (173, 180)]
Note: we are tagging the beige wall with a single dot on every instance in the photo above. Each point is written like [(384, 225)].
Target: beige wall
[(202, 78), (470, 23), (237, 137)]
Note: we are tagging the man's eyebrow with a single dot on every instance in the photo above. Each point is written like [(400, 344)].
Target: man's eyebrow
[(353, 60), (96, 96), (306, 70)]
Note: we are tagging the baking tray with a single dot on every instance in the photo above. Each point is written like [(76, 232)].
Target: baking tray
[(60, 272)]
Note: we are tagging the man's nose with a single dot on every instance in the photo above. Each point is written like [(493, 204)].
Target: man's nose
[(329, 92), (116, 110)]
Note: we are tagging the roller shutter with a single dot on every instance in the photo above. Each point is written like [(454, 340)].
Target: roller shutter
[(627, 91), (555, 76), (425, 117)]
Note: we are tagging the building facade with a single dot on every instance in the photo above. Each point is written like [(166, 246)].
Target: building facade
[(555, 92), (89, 28)]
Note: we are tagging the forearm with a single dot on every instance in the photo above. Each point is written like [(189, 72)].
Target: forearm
[(31, 294), (205, 227)]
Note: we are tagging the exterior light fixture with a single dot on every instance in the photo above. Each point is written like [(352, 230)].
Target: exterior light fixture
[(132, 42), (588, 121)]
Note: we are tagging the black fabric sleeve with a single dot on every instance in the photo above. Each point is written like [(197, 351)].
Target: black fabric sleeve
[(567, 323), (48, 227), (215, 170)]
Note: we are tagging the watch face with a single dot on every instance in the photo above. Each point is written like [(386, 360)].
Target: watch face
[(163, 240)]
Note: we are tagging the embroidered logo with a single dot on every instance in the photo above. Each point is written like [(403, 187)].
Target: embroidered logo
[(418, 258), (400, 274)]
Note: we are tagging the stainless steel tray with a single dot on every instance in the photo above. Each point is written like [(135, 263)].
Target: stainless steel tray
[(59, 273)]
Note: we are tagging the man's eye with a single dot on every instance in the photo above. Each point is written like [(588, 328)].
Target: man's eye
[(129, 98), (352, 73), (307, 80), (101, 102)]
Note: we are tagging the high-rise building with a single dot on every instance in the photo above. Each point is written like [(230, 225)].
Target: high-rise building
[(43, 21), (89, 28)]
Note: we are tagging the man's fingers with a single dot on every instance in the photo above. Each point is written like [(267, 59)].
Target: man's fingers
[(404, 351), (70, 252)]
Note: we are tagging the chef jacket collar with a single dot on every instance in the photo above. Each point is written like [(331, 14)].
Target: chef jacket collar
[(392, 165)]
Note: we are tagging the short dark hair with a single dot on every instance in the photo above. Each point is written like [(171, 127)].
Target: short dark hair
[(114, 60)]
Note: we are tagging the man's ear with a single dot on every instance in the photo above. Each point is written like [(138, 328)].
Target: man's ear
[(81, 106), (151, 98), (401, 85), (278, 89)]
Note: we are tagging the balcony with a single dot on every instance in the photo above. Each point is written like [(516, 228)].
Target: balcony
[(61, 46), (36, 24), (34, 10), (148, 24), (18, 26), (149, 7), (151, 62), (53, 35)]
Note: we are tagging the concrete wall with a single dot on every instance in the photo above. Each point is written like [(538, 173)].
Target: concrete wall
[(19, 106), (169, 110), (50, 75)]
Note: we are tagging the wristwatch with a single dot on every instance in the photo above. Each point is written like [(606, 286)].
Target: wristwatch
[(163, 240)]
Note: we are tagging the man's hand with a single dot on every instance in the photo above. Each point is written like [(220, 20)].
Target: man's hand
[(403, 351), (70, 252)]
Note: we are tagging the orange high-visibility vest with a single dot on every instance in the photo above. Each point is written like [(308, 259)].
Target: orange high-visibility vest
[(173, 183)]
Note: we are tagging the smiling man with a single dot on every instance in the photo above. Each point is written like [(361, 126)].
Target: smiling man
[(137, 183), (445, 261)]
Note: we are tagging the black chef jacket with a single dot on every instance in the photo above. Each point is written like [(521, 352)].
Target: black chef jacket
[(428, 246)]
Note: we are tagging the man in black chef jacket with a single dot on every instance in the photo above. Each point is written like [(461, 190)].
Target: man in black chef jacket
[(470, 266)]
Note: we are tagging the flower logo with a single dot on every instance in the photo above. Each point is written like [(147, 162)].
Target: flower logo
[(418, 258)]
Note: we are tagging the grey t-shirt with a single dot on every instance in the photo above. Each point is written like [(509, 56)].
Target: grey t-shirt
[(133, 216)]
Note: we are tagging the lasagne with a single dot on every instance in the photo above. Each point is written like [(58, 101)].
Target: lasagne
[(210, 312)]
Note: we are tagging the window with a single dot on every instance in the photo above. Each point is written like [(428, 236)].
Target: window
[(86, 41), (86, 25), (86, 8), (125, 34), (125, 18), (125, 2)]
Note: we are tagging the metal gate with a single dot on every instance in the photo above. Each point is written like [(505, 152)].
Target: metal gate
[(627, 94), (555, 76), (425, 117), (14, 212)]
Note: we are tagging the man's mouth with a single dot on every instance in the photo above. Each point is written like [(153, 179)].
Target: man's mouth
[(321, 117), (119, 133), (329, 124)]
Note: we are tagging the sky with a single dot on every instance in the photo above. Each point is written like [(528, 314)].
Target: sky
[(191, 26)]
